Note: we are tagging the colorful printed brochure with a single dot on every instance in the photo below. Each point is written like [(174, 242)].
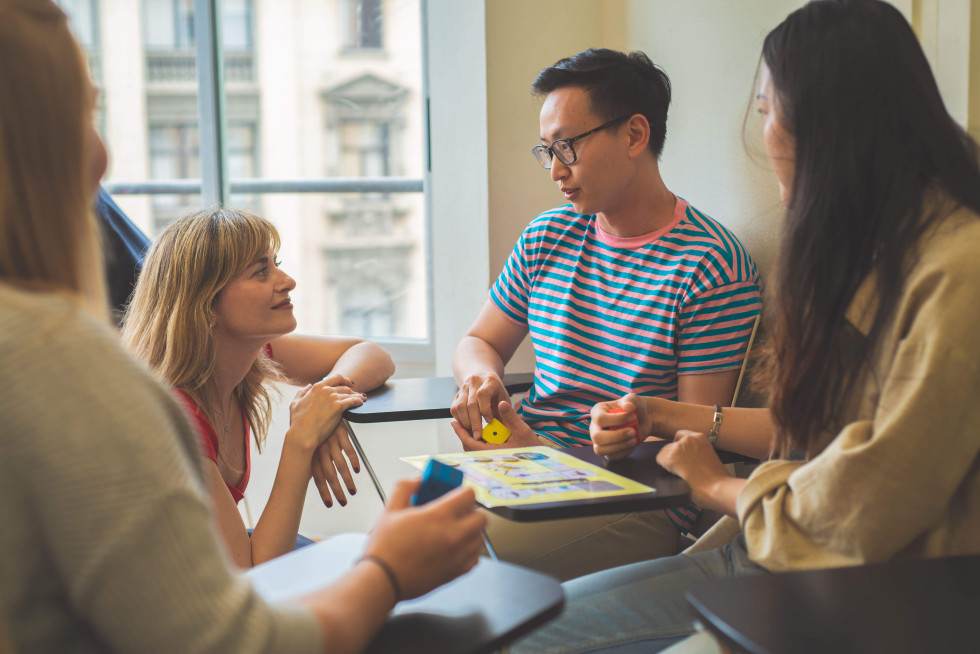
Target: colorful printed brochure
[(532, 475)]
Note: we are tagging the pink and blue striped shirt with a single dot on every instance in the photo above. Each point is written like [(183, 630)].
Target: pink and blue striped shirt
[(610, 316)]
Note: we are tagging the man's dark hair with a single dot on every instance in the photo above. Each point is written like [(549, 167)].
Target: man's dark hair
[(618, 84)]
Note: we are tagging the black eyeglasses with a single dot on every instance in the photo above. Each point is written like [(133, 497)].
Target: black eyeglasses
[(562, 148)]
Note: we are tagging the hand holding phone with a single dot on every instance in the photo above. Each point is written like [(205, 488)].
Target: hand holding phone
[(437, 480)]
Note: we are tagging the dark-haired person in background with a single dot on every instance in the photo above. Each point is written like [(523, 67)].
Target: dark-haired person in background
[(626, 289), (124, 245), (874, 361)]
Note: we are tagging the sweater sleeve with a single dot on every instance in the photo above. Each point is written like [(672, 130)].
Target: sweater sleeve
[(901, 478), (110, 467)]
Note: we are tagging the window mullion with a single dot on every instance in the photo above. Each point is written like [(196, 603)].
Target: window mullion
[(210, 102)]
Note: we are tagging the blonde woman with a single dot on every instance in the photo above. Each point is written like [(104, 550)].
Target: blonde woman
[(107, 542), (212, 316)]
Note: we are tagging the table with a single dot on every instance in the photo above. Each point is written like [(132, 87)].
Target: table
[(423, 398), (490, 606), (641, 466), (896, 607)]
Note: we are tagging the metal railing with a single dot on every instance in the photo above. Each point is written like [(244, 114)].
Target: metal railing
[(253, 185), (181, 66)]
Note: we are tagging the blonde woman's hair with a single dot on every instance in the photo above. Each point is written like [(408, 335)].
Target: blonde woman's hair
[(49, 239), (169, 323)]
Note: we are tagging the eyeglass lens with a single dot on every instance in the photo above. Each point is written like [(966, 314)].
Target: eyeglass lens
[(561, 149)]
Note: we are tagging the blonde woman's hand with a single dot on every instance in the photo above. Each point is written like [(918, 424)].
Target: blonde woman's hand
[(316, 411), (429, 545), (330, 466)]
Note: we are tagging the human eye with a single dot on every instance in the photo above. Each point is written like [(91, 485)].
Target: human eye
[(277, 262)]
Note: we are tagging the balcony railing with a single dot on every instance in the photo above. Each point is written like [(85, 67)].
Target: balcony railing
[(179, 66)]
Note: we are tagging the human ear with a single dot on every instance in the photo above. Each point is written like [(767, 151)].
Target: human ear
[(638, 132)]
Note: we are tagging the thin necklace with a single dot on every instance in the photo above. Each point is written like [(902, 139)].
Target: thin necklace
[(223, 438)]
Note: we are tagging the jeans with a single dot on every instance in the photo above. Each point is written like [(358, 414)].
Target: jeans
[(635, 608)]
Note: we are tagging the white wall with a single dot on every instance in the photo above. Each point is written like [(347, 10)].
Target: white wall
[(710, 49)]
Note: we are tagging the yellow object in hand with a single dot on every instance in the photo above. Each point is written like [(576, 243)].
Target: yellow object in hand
[(495, 432)]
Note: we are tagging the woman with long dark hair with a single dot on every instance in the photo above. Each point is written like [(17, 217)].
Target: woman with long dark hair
[(874, 361)]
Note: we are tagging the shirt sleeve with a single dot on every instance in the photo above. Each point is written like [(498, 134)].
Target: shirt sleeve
[(715, 324), (512, 289), (890, 482), (121, 510)]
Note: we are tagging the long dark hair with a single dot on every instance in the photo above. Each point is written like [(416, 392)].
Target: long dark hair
[(873, 144)]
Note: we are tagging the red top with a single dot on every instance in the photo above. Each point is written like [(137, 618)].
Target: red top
[(208, 437)]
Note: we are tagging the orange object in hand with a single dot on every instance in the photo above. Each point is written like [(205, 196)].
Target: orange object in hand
[(634, 424)]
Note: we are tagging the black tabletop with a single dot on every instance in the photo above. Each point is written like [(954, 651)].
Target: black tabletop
[(424, 398), (897, 607), (641, 466), (483, 610)]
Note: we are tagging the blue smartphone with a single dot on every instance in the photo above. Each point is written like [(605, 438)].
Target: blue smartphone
[(438, 479)]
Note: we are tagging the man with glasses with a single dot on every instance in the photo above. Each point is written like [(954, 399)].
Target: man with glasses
[(626, 289)]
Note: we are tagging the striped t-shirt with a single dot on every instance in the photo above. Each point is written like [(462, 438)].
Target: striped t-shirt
[(610, 316)]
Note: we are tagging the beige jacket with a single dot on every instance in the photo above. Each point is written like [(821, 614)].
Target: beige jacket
[(902, 478)]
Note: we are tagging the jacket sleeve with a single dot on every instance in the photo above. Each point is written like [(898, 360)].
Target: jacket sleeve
[(885, 482)]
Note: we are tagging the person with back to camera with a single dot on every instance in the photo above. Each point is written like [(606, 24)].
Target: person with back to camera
[(107, 541), (873, 345), (211, 315), (628, 288)]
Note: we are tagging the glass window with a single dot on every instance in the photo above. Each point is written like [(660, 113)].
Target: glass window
[(169, 24), (345, 129), (81, 15), (361, 22), (364, 150)]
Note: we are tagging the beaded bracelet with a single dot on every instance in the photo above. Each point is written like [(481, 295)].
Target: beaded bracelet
[(395, 586)]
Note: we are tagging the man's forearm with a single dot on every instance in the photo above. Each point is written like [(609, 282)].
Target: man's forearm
[(475, 356)]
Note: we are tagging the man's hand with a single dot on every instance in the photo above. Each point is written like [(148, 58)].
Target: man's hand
[(611, 435), (329, 460), (520, 434), (477, 401)]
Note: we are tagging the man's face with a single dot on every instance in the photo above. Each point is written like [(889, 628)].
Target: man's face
[(592, 182)]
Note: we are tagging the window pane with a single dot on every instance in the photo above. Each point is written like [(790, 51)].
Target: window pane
[(160, 32), (357, 261), (81, 15), (322, 109)]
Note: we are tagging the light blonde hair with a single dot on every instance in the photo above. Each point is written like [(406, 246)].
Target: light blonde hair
[(49, 239), (169, 323)]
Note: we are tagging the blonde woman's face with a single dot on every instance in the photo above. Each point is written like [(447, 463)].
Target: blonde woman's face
[(780, 145), (255, 306)]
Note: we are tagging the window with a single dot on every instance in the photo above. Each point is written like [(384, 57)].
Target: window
[(364, 148), (361, 23), (174, 154), (169, 24), (327, 144), (82, 16)]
